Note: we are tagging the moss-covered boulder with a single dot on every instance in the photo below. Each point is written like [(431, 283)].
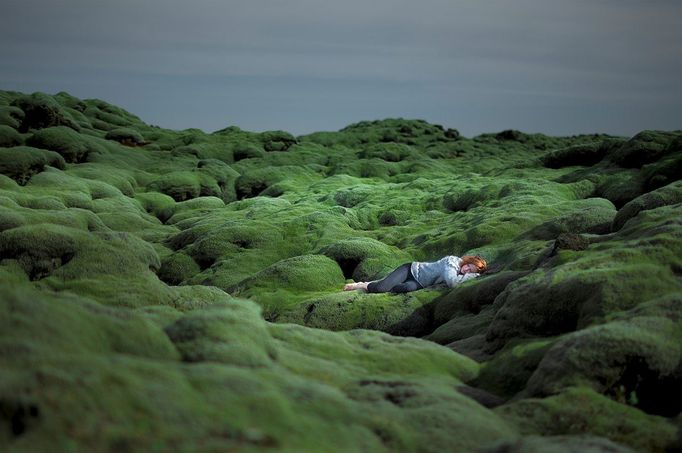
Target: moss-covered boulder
[(125, 136), (580, 410), (40, 111), (181, 185), (11, 116), (594, 215), (570, 297), (22, 162), (39, 249), (668, 195), (392, 152), (159, 205), (586, 154), (643, 148), (394, 314), (262, 181), (507, 373), (233, 336), (370, 390), (472, 298), (177, 268), (635, 362), (73, 147), (205, 271), (302, 273), (364, 259), (9, 137), (277, 140)]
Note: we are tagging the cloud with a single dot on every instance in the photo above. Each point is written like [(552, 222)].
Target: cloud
[(611, 51)]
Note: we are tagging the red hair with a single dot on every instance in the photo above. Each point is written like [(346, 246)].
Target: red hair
[(476, 260)]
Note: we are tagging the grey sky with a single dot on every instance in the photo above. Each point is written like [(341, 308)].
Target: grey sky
[(552, 66)]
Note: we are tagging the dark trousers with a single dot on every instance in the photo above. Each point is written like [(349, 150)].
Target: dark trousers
[(398, 281)]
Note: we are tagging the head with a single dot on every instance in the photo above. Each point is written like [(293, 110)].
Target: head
[(473, 263)]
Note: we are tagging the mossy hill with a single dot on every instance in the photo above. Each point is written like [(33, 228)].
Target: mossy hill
[(179, 290)]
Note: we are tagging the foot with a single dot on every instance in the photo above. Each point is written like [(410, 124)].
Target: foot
[(354, 286)]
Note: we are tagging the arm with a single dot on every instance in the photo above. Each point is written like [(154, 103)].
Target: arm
[(452, 278)]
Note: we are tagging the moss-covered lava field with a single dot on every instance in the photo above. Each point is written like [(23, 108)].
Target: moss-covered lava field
[(178, 290)]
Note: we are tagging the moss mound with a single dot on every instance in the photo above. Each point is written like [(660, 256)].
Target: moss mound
[(125, 136), (364, 259), (72, 146), (151, 278), (22, 162), (9, 137), (585, 411), (668, 195), (40, 111)]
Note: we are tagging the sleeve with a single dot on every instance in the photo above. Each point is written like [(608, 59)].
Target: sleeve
[(452, 278), (469, 276)]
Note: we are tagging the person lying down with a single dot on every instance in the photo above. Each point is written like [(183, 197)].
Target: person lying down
[(450, 270)]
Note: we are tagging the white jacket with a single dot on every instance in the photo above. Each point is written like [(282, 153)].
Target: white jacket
[(443, 271)]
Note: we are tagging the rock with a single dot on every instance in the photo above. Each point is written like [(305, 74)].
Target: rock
[(570, 241)]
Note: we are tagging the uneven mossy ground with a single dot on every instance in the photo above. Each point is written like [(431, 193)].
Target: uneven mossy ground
[(177, 289)]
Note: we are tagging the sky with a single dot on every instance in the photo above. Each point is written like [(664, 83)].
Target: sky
[(552, 66)]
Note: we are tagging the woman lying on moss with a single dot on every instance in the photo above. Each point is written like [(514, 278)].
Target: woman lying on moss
[(450, 270)]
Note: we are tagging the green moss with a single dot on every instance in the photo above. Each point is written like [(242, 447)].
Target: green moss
[(278, 372), (634, 362), (593, 215), (546, 444), (10, 137), (40, 111), (177, 268), (253, 182), (645, 147), (209, 243), (180, 185), (346, 163), (232, 336), (69, 101), (35, 210), (277, 140), (462, 198), (392, 152), (665, 171), (120, 179), (72, 146), (188, 298), (201, 203), (11, 116), (573, 295), (364, 259), (22, 162), (224, 176), (102, 125), (125, 136), (670, 194), (247, 151), (620, 187), (582, 411), (462, 327), (399, 315), (159, 205), (300, 273), (472, 298), (113, 116), (586, 154), (133, 246), (352, 197), (508, 372)]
